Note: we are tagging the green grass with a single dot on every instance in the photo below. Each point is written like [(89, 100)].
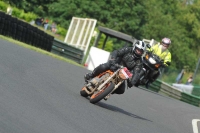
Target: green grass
[(39, 50)]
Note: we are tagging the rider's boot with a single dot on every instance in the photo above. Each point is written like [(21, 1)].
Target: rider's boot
[(99, 69), (88, 77)]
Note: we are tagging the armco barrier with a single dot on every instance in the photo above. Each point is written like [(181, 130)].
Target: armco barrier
[(170, 91), (155, 86), (67, 51), (196, 91), (166, 89), (194, 100), (189, 89)]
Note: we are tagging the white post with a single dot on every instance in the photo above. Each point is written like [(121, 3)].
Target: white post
[(152, 42), (69, 30), (75, 32), (81, 34), (88, 27), (90, 36)]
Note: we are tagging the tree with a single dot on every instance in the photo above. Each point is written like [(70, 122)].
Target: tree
[(165, 19), (40, 7)]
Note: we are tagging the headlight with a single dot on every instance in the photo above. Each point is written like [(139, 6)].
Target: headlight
[(147, 56), (152, 61)]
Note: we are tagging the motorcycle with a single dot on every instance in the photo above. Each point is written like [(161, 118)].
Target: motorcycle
[(103, 85), (151, 62)]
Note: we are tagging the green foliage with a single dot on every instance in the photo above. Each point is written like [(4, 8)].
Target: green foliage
[(40, 7), (108, 46), (29, 16), (61, 31), (22, 15), (3, 6), (16, 12)]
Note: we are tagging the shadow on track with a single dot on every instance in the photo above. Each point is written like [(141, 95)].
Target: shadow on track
[(116, 109)]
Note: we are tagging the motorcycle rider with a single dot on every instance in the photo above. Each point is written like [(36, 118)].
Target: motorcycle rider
[(129, 57), (160, 49)]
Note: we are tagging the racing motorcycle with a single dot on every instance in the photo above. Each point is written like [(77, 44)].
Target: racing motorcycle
[(151, 62), (103, 85)]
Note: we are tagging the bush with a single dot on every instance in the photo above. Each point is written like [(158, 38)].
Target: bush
[(3, 6), (108, 46), (28, 16), (61, 31), (25, 16), (16, 12)]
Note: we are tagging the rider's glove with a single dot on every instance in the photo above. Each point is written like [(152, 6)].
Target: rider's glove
[(168, 63), (114, 67)]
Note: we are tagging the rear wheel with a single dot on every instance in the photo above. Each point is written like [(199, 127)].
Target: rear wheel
[(99, 95), (83, 92)]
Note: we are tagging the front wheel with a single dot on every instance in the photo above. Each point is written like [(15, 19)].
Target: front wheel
[(99, 95), (83, 92)]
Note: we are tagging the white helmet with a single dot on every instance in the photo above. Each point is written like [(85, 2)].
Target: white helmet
[(166, 41), (139, 48)]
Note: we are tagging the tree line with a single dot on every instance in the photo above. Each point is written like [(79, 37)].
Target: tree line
[(152, 19)]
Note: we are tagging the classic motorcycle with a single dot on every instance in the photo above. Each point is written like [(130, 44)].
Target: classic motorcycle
[(103, 85), (151, 62)]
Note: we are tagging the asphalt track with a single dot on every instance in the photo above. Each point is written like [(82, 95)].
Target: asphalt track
[(40, 94)]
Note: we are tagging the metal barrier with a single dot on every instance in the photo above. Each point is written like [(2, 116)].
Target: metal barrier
[(166, 89), (191, 99), (67, 51)]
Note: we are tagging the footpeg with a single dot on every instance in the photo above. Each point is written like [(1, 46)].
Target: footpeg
[(106, 98)]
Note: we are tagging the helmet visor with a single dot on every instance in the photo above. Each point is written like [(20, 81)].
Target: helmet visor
[(165, 45)]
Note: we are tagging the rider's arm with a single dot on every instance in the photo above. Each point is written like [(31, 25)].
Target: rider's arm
[(153, 47), (120, 52), (167, 59)]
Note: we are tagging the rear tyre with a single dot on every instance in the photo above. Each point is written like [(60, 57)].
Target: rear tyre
[(96, 97), (83, 92)]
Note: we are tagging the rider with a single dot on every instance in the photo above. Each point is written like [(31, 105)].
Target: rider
[(129, 57), (160, 49)]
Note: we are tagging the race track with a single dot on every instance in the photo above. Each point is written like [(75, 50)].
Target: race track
[(40, 94)]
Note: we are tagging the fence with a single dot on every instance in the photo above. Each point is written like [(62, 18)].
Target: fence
[(166, 89), (68, 51)]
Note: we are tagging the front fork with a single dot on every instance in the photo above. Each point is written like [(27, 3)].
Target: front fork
[(142, 75)]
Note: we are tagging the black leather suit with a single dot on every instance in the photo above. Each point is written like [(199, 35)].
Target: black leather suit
[(127, 58)]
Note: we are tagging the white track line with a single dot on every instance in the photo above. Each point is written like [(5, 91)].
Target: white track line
[(194, 125)]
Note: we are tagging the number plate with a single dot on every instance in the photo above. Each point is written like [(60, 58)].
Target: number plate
[(124, 73)]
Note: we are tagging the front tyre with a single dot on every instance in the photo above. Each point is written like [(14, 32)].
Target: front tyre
[(99, 95), (83, 92)]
